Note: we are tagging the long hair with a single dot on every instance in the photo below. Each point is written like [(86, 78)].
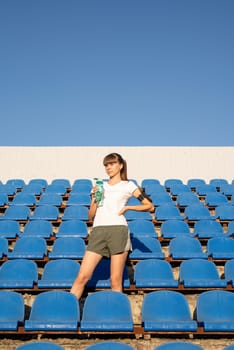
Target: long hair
[(116, 157)]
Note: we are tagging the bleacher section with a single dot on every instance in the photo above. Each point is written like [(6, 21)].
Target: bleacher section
[(185, 247)]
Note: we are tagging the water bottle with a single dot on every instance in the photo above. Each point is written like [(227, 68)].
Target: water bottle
[(99, 194)]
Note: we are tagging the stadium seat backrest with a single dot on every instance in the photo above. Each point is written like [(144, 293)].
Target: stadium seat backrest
[(167, 310), (215, 306), (40, 345), (72, 228), (57, 310), (18, 273), (154, 272), (109, 345), (107, 311), (11, 310)]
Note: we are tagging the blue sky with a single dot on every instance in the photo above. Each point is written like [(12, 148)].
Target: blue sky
[(117, 72)]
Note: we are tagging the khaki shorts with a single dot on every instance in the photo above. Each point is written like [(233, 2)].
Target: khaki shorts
[(109, 240)]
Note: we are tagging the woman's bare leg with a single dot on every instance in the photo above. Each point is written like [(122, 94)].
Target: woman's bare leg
[(89, 262), (116, 274)]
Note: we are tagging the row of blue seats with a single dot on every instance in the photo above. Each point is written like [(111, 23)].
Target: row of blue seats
[(179, 248), (163, 212), (182, 200), (56, 199), (202, 229), (181, 196), (201, 190), (109, 311), (160, 196), (147, 274), (11, 229), (115, 345), (45, 212), (192, 183)]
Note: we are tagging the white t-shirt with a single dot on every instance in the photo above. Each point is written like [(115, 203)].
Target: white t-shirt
[(115, 198)]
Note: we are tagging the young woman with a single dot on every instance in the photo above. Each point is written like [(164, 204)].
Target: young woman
[(110, 235)]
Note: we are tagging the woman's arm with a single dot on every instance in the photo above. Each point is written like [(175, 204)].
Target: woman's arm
[(92, 208), (145, 205)]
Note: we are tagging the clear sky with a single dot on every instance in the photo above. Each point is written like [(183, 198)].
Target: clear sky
[(117, 72)]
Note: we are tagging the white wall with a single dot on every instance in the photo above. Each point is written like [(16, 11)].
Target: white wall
[(143, 162)]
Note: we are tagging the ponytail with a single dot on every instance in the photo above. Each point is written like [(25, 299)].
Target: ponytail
[(123, 171)]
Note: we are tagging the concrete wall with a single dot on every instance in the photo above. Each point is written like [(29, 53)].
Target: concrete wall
[(143, 162)]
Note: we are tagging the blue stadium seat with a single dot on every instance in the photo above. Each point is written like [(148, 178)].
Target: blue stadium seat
[(3, 247), (200, 273), (45, 212), (56, 188), (38, 228), (177, 189), (175, 228), (146, 248), (109, 345), (228, 189), (215, 199), (17, 183), (9, 228), (101, 276), (9, 190), (79, 199), (181, 248), (33, 188), (82, 186), (224, 212), (64, 182), (220, 248), (22, 198), (16, 212), (18, 274), (178, 345), (187, 198), (41, 182), (59, 273), (154, 273), (106, 311), (29, 248), (54, 199), (75, 212), (218, 182), (229, 271), (208, 229), (167, 311), (11, 310), (203, 190), (137, 215), (215, 311), (54, 310), (139, 228), (167, 212), (161, 198), (195, 212), (40, 345), (152, 189), (168, 183), (193, 183), (72, 228), (68, 248), (146, 182)]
